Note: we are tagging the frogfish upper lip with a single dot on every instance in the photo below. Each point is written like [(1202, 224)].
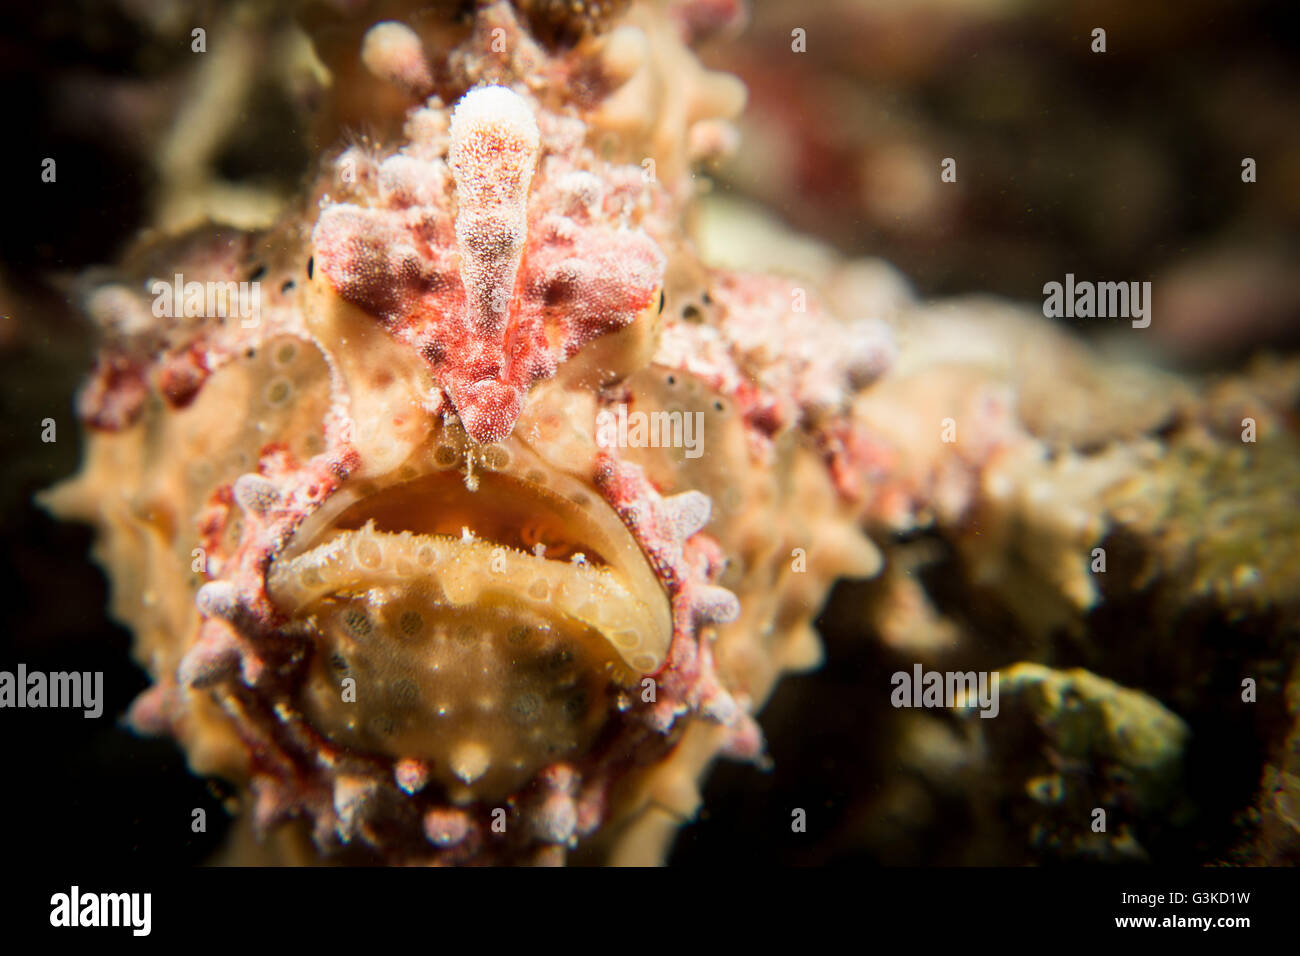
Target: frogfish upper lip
[(487, 632)]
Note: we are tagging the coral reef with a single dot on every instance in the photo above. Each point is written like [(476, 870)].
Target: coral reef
[(1111, 749)]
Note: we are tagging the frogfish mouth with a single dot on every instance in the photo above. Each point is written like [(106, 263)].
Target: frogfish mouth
[(490, 631)]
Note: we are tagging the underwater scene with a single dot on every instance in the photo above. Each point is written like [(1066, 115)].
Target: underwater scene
[(681, 433)]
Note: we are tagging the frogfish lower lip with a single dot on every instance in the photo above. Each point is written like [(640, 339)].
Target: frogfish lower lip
[(447, 572), (486, 632)]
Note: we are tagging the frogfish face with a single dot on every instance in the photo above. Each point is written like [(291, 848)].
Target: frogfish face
[(384, 572)]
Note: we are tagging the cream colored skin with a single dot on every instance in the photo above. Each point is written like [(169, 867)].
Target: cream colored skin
[(613, 617), (144, 487), (350, 382)]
